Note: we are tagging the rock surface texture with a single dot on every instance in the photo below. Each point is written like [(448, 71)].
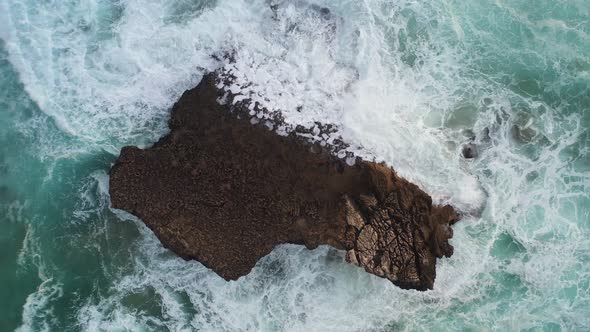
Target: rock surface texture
[(225, 192)]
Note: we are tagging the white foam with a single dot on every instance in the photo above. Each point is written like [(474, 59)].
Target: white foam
[(106, 91), (37, 314), (399, 109), (38, 310), (111, 92)]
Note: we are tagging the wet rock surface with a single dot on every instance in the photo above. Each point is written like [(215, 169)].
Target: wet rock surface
[(469, 150), (224, 191)]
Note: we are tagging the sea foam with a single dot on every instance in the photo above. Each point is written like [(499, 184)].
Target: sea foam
[(406, 83)]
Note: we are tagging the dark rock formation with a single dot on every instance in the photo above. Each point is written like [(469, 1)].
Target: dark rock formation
[(225, 192), (469, 150)]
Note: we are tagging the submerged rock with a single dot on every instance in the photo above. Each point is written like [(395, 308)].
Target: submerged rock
[(222, 191), (469, 150), (523, 135)]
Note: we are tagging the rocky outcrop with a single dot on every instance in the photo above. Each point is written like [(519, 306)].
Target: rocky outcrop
[(225, 192)]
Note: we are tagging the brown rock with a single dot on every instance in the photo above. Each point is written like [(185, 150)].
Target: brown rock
[(224, 192)]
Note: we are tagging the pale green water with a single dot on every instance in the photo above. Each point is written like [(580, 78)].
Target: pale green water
[(81, 79)]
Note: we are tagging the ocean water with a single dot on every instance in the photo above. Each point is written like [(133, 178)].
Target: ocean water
[(407, 82)]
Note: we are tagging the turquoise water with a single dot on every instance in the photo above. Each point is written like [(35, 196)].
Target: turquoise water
[(81, 79)]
